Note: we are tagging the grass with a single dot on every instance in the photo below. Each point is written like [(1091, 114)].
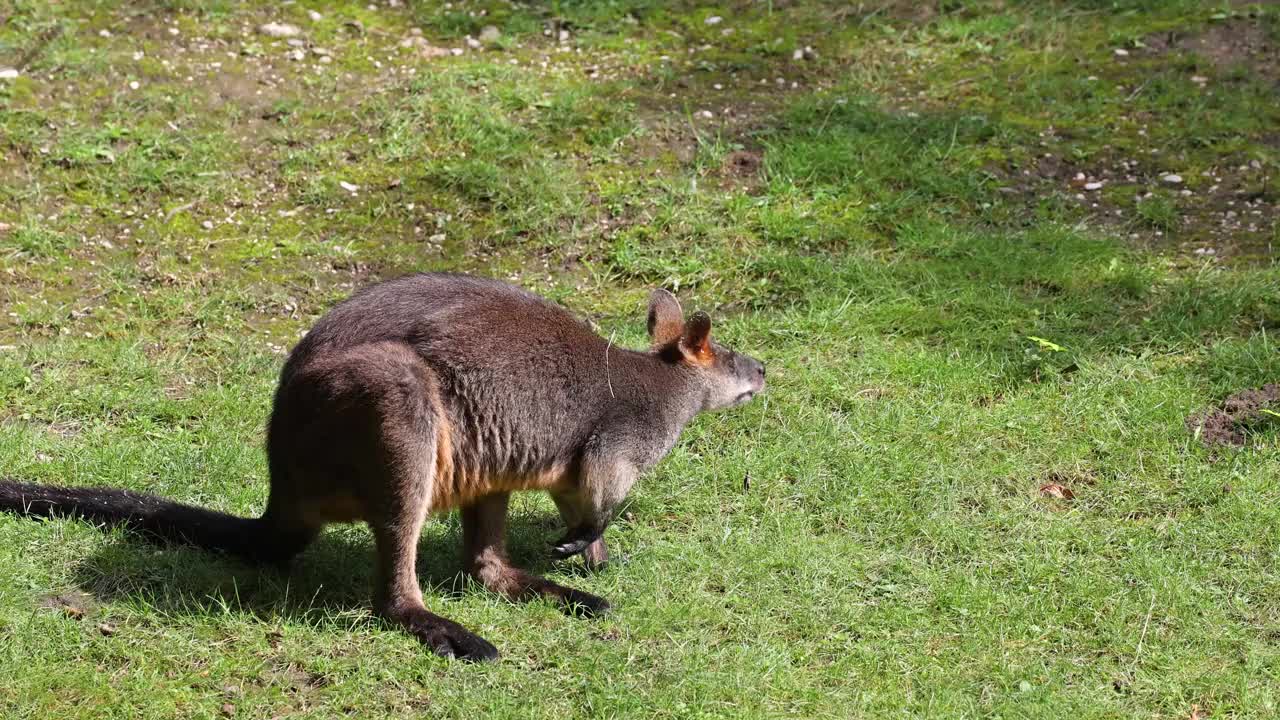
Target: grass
[(894, 224)]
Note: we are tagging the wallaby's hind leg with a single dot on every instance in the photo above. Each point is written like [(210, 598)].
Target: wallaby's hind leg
[(398, 485), (484, 528), (398, 597)]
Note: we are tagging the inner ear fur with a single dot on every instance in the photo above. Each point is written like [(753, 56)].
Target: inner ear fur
[(666, 319), (696, 339)]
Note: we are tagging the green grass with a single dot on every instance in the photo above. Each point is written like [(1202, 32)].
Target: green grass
[(891, 234)]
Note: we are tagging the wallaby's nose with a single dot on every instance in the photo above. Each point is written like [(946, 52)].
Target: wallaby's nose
[(760, 373)]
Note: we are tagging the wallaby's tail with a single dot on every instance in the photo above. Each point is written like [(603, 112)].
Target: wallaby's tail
[(151, 516)]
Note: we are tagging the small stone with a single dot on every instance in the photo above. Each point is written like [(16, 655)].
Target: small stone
[(207, 224), (1171, 178), (348, 186), (706, 114), (315, 16), (296, 42), (714, 20), (279, 30), (325, 59), (296, 54), (456, 51), (798, 54), (564, 36), (1199, 79), (104, 33), (8, 73), (473, 43), (107, 629), (1206, 251), (320, 51), (134, 85), (1121, 52), (489, 34), (1093, 186), (437, 238)]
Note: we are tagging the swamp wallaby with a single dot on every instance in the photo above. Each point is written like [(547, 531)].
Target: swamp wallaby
[(440, 391)]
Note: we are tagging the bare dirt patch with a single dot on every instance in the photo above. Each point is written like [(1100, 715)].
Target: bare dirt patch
[(1236, 43), (73, 603), (1230, 214), (1228, 424)]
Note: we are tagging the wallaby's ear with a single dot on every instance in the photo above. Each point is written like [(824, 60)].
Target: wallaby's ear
[(666, 319), (696, 340)]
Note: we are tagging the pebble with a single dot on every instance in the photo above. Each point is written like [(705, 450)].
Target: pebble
[(104, 33), (1121, 52), (315, 16), (714, 20), (489, 34), (1172, 179), (279, 30), (1093, 186), (8, 73), (348, 186), (473, 43), (207, 224), (133, 85), (706, 114)]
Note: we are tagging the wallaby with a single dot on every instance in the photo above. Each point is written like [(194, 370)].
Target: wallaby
[(440, 391)]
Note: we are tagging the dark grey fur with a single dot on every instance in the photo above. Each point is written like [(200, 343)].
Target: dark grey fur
[(442, 391)]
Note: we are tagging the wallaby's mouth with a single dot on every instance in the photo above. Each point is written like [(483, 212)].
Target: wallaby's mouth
[(744, 398)]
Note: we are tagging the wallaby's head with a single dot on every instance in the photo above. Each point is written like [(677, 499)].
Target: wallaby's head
[(725, 378)]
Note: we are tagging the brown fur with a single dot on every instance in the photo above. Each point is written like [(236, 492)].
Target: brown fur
[(439, 392)]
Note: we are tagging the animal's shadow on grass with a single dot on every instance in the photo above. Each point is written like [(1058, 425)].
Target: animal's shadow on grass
[(331, 580)]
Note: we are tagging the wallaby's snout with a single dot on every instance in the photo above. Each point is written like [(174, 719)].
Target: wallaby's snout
[(755, 374)]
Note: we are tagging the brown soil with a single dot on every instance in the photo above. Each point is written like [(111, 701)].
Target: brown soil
[(1227, 424), (74, 604), (1236, 43)]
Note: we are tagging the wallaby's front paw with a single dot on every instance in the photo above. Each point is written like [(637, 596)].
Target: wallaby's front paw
[(575, 541), (585, 605)]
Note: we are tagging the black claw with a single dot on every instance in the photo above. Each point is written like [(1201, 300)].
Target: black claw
[(575, 541)]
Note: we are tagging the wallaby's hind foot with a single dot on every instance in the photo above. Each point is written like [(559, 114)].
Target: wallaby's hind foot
[(596, 556), (484, 525), (445, 637)]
